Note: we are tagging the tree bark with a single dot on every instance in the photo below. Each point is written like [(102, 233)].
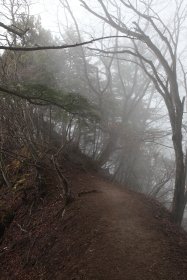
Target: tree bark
[(180, 176)]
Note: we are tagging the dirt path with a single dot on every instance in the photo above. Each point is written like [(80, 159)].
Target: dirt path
[(106, 234), (128, 242)]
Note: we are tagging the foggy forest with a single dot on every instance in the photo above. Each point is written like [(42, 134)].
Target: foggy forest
[(93, 139)]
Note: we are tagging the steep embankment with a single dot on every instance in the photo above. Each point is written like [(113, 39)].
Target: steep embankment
[(106, 233)]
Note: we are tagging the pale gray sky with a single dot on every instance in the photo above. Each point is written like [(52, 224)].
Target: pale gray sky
[(51, 11)]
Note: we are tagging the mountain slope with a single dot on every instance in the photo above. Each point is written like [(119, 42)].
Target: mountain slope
[(107, 233)]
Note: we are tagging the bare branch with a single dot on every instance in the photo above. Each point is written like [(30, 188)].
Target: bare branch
[(20, 33), (59, 47)]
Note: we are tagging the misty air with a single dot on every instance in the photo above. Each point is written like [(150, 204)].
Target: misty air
[(93, 139)]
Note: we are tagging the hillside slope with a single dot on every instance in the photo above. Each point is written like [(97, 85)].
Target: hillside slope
[(107, 233)]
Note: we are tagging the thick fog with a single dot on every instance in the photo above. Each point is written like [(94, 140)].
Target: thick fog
[(122, 100)]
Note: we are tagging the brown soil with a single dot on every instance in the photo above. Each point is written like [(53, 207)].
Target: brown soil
[(107, 233)]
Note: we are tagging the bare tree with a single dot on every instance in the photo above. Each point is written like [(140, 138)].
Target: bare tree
[(11, 33), (165, 78)]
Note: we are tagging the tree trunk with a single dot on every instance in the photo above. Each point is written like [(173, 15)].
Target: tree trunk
[(178, 200), (105, 154), (109, 147), (179, 192)]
